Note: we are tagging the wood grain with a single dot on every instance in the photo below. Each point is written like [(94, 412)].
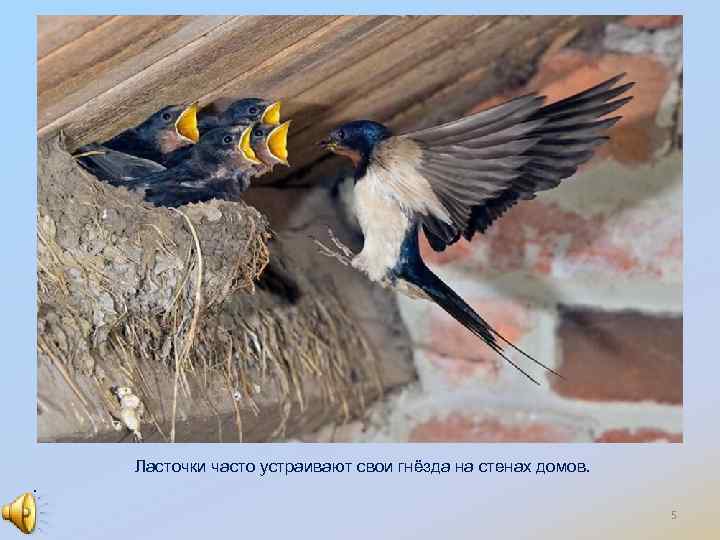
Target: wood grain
[(121, 48), (205, 63), (406, 71), (54, 32)]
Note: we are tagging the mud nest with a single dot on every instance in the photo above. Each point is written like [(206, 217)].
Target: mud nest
[(165, 301)]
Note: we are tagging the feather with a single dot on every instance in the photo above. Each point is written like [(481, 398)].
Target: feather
[(412, 269), (114, 166), (480, 166)]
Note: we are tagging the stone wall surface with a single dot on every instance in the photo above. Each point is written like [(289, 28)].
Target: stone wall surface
[(587, 278)]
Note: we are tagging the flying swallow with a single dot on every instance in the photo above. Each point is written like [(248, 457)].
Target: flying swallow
[(171, 128), (241, 111), (457, 178)]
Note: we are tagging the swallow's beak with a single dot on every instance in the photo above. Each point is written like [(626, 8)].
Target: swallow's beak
[(186, 125), (328, 144), (272, 114), (245, 148), (277, 142)]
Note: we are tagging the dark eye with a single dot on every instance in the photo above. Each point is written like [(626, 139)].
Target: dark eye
[(253, 110), (258, 133), (166, 116), (341, 134), (227, 139)]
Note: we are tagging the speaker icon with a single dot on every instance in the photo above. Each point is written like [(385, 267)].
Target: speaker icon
[(22, 512)]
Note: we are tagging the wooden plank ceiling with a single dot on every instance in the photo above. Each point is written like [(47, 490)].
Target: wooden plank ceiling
[(99, 75)]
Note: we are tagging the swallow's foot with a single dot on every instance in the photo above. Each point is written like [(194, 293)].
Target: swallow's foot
[(342, 247), (344, 255)]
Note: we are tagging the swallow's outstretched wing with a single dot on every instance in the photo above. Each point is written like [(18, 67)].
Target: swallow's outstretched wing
[(481, 165), (114, 166)]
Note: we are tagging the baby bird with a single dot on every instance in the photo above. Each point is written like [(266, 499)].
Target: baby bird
[(270, 143), (241, 111), (171, 128), (220, 166)]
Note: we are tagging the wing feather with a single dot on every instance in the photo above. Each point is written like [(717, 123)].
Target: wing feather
[(500, 115), (480, 166), (114, 166)]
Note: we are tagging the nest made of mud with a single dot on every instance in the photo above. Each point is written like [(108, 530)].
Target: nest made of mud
[(164, 301)]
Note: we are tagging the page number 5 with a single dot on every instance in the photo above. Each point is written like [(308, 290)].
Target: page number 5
[(674, 514)]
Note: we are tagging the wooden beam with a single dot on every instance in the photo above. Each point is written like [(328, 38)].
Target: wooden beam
[(405, 71), (205, 63), (54, 32)]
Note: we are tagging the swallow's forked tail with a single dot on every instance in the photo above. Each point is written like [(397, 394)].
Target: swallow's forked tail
[(451, 302)]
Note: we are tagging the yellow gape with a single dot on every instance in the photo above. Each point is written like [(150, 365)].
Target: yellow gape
[(272, 114), (245, 148), (186, 125), (277, 141)]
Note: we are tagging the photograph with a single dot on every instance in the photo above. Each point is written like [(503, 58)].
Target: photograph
[(359, 229)]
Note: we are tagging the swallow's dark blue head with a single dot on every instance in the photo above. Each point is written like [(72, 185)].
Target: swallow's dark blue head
[(356, 140)]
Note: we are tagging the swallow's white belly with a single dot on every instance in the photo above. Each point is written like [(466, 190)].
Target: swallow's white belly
[(384, 224)]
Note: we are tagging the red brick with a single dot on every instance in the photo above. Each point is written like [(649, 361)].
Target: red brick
[(620, 356), (541, 237), (460, 428), (567, 71), (545, 226), (641, 435), (458, 251), (652, 22), (461, 354)]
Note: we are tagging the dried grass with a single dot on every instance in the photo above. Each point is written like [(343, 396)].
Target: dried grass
[(153, 291)]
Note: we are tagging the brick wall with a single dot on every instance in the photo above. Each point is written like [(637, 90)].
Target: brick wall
[(587, 278)]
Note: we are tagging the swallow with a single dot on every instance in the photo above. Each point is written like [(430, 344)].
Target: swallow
[(269, 143), (455, 179), (165, 131), (263, 146), (221, 165), (241, 111)]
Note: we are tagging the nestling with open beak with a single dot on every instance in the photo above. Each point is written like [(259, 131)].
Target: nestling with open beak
[(171, 128), (220, 166), (457, 178), (270, 143), (241, 111)]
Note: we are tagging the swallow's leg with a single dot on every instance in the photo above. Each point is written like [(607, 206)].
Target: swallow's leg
[(344, 256), (342, 247)]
